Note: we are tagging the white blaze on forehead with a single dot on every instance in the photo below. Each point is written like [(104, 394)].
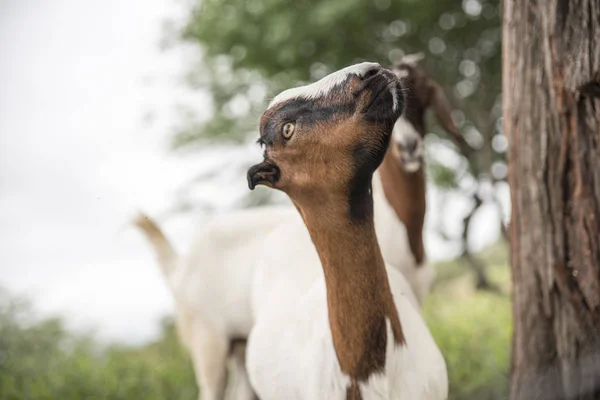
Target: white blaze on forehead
[(324, 85)]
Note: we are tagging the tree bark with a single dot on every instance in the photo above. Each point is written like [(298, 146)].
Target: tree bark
[(551, 86)]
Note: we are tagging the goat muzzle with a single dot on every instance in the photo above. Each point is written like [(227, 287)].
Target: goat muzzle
[(266, 173)]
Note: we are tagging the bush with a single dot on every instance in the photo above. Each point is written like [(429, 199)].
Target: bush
[(41, 360)]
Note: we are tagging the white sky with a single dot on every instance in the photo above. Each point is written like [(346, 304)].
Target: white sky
[(77, 79)]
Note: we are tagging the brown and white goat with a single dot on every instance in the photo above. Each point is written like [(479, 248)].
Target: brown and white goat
[(351, 331), (399, 185), (214, 283)]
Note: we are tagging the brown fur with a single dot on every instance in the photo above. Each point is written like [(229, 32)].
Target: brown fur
[(324, 175), (358, 293), (353, 392), (422, 92), (405, 191)]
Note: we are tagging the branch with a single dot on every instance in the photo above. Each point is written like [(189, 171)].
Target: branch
[(477, 266), (503, 228)]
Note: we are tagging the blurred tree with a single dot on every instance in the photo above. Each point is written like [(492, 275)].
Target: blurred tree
[(552, 116), (253, 49)]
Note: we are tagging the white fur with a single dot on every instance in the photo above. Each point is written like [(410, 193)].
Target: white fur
[(324, 85), (394, 91), (394, 245), (412, 59), (212, 280), (211, 287), (290, 350), (403, 133), (404, 130), (402, 73), (291, 356)]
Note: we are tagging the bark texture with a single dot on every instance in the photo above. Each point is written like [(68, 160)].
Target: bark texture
[(551, 94)]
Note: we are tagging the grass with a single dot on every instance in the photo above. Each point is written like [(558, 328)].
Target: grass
[(472, 328)]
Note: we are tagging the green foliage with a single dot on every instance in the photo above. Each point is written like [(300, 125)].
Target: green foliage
[(473, 330), (443, 176), (253, 46), (41, 360)]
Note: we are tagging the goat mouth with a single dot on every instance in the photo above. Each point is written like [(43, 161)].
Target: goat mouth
[(266, 173), (411, 163)]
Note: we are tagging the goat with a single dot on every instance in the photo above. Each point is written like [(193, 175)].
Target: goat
[(211, 285), (399, 185), (211, 290), (354, 334)]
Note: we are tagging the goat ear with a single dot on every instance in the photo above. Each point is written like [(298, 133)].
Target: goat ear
[(441, 107), (412, 59)]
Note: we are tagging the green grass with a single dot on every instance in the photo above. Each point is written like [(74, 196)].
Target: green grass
[(473, 328)]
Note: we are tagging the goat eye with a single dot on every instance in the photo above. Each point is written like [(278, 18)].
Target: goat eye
[(288, 130)]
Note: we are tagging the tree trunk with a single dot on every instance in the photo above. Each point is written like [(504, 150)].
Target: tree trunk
[(551, 94)]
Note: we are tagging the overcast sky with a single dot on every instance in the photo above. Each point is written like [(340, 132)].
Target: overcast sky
[(86, 100)]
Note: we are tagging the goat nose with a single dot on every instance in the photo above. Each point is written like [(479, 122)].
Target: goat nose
[(410, 145)]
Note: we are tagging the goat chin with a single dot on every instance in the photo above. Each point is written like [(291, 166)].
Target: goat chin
[(224, 282)]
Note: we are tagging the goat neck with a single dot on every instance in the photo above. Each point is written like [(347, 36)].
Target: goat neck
[(405, 192), (359, 299)]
